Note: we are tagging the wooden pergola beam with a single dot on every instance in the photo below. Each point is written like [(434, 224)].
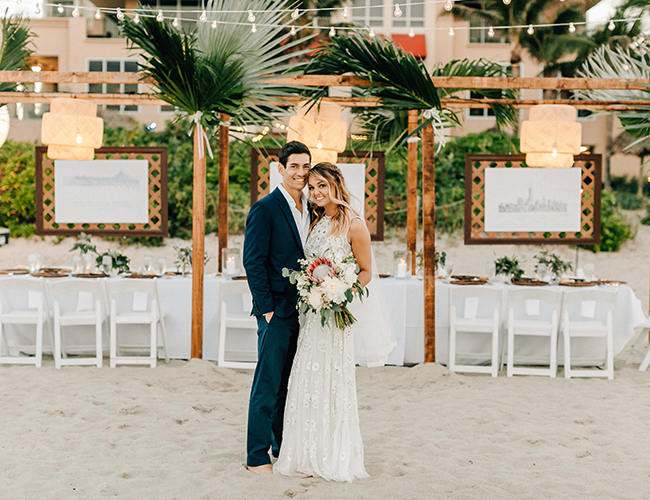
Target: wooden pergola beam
[(459, 82), (358, 102)]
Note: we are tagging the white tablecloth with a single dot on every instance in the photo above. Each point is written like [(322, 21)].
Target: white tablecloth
[(405, 300)]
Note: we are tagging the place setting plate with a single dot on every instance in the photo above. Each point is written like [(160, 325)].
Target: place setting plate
[(14, 271), (528, 282), (577, 282), (459, 279), (91, 275), (605, 282), (51, 272)]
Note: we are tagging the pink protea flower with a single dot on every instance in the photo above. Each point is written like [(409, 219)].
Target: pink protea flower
[(320, 269)]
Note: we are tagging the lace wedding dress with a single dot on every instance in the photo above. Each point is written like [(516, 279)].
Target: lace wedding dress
[(321, 435)]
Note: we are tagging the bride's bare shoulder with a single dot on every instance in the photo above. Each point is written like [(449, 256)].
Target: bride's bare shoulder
[(358, 230)]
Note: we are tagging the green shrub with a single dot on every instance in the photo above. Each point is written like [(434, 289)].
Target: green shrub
[(614, 229), (629, 201), (17, 206)]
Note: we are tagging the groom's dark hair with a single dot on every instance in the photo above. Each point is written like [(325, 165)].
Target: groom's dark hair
[(292, 148)]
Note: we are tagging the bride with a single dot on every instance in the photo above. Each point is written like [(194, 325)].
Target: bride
[(321, 434)]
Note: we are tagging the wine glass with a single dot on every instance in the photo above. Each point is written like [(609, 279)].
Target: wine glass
[(148, 264), (88, 263), (107, 264), (162, 266), (449, 268), (32, 262), (589, 271), (491, 271), (77, 268)]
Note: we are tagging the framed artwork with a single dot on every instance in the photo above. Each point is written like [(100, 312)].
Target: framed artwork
[(364, 173), (507, 202), (122, 192)]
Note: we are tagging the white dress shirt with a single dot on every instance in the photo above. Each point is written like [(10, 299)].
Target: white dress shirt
[(301, 219)]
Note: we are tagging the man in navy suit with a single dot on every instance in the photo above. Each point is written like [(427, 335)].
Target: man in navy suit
[(276, 231)]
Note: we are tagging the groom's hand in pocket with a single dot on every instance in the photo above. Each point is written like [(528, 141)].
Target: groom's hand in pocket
[(268, 317)]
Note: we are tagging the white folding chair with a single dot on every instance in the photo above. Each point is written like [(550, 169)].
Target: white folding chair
[(475, 310), (589, 314), (77, 302), (533, 312), (235, 319), (135, 302), (24, 304), (639, 345)]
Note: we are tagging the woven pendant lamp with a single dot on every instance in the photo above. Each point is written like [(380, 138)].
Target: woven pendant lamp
[(321, 130), (71, 129), (551, 136)]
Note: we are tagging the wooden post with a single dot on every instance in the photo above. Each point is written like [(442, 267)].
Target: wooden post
[(198, 246), (224, 170), (412, 190), (428, 226)]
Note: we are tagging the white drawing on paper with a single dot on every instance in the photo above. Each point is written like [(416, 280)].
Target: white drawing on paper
[(101, 191), (534, 204)]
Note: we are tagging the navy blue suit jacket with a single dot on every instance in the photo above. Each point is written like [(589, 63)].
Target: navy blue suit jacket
[(272, 242)]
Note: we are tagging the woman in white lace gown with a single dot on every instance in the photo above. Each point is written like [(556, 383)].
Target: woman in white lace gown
[(321, 435)]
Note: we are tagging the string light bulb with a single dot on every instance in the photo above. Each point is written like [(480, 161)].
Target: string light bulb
[(530, 29), (490, 31), (398, 11), (572, 28), (319, 145), (253, 28), (449, 6), (611, 25), (451, 31), (554, 153), (626, 67), (59, 9), (119, 14), (19, 2), (37, 10), (204, 17), (98, 15), (296, 13), (251, 16), (506, 2), (79, 139), (75, 12), (346, 12), (160, 18), (293, 30), (411, 32), (175, 22), (214, 25), (371, 33), (136, 18), (332, 32)]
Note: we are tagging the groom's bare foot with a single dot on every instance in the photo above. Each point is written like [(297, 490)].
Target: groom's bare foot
[(261, 469)]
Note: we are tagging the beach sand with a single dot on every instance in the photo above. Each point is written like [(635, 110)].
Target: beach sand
[(179, 431)]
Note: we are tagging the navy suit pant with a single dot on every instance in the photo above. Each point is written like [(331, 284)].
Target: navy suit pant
[(276, 342)]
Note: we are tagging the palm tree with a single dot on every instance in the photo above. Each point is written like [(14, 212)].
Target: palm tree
[(545, 44)]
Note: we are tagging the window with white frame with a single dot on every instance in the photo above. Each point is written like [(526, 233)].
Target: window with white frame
[(412, 15), (118, 66), (489, 112), (480, 33), (368, 12)]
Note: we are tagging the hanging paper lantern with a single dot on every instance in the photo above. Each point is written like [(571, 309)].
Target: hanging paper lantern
[(71, 129), (321, 130), (551, 136)]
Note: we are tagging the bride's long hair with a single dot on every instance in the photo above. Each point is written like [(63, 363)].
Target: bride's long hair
[(339, 194)]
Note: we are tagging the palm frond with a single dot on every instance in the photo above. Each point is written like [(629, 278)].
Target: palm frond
[(16, 47), (398, 79), (626, 65)]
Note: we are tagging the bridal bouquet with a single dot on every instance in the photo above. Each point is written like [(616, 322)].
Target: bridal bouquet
[(327, 286)]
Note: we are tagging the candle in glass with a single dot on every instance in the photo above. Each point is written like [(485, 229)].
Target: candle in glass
[(230, 265), (401, 269)]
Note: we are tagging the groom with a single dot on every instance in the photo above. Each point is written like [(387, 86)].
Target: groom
[(276, 231)]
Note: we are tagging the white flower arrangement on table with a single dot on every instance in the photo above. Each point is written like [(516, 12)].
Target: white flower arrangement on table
[(327, 285)]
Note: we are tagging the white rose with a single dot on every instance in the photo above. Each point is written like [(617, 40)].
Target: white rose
[(315, 299), (334, 289), (350, 276)]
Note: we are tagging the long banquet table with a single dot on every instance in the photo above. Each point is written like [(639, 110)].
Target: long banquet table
[(405, 302)]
